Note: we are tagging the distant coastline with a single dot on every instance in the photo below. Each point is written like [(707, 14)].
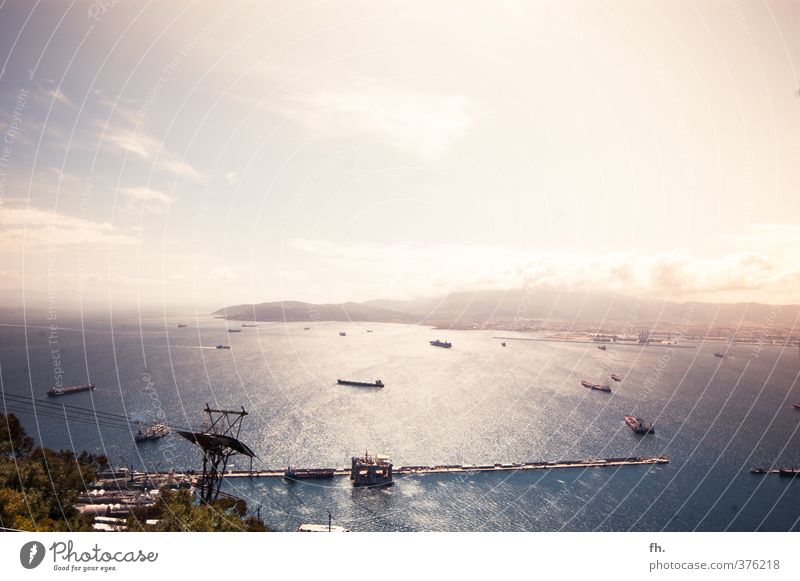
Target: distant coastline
[(577, 315)]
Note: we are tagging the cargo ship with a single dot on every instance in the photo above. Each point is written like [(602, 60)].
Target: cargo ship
[(308, 473), (376, 383), (56, 391), (796, 405), (616, 377), (437, 343), (639, 426), (153, 432), (597, 386)]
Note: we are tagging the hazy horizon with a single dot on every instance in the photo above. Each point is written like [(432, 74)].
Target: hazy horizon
[(199, 154)]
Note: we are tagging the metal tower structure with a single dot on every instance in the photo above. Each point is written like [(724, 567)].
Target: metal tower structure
[(219, 442)]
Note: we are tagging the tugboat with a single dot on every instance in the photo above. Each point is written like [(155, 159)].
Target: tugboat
[(616, 377), (639, 426), (153, 432), (376, 383), (597, 386), (437, 343), (56, 391), (371, 470), (223, 346)]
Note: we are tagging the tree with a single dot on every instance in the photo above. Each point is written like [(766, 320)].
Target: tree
[(14, 442), (176, 511)]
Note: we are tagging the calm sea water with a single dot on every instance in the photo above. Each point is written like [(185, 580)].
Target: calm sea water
[(475, 403)]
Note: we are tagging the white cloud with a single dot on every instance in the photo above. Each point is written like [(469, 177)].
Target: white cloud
[(135, 142), (425, 125), (418, 270), (152, 200), (57, 95), (32, 227)]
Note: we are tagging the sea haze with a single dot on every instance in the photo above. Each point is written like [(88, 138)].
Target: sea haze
[(476, 403)]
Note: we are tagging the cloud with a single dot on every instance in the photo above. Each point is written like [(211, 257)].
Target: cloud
[(151, 200), (181, 169), (31, 227), (130, 141), (424, 125), (418, 270), (57, 95)]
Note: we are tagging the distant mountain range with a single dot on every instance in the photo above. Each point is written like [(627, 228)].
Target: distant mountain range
[(571, 308)]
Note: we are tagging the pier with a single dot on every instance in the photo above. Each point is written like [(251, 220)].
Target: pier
[(460, 468)]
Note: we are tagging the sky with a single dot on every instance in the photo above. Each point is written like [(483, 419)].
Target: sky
[(207, 154)]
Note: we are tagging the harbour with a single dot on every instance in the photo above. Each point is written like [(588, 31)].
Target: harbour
[(473, 426)]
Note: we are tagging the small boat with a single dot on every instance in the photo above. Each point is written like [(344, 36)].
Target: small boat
[(306, 328), (602, 347), (376, 383), (181, 325), (437, 343), (314, 528), (223, 347), (308, 473), (56, 391), (596, 386), (234, 330), (616, 377), (639, 426), (153, 432), (369, 330), (718, 354), (249, 324), (503, 344), (342, 334)]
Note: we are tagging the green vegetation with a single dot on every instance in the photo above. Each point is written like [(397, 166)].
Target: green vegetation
[(176, 511), (39, 487)]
